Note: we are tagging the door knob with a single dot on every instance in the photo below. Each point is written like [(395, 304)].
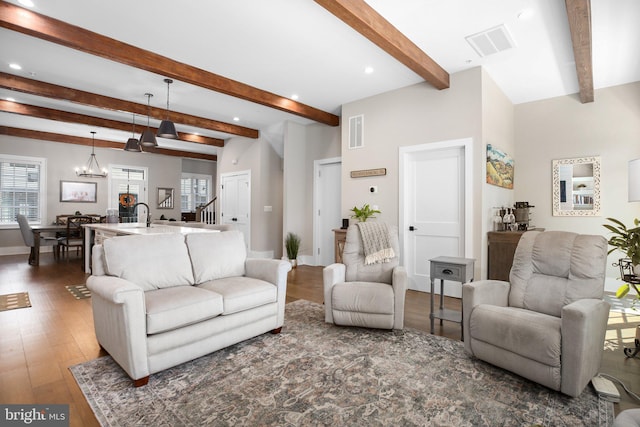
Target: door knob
[(412, 228)]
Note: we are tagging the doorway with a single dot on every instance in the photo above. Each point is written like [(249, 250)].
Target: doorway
[(235, 202), (327, 190), (435, 195)]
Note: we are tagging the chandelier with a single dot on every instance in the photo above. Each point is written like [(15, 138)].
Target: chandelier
[(92, 169)]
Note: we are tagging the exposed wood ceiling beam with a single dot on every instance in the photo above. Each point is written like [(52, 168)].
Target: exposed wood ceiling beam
[(36, 25), (65, 116), (365, 20), (78, 140), (48, 90), (579, 14)]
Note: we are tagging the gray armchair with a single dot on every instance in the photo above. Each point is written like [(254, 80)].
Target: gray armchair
[(27, 236), (548, 323), (370, 296)]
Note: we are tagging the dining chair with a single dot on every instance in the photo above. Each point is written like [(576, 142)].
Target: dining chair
[(74, 236), (27, 236)]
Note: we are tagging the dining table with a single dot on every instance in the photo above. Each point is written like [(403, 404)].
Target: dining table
[(37, 230)]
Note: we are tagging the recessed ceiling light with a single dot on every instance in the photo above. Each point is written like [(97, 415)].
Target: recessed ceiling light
[(368, 70), (295, 96), (236, 119), (15, 66), (27, 3)]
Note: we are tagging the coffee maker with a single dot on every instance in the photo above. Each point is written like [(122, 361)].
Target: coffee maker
[(522, 212)]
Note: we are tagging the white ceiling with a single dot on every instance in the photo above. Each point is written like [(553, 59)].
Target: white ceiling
[(296, 47)]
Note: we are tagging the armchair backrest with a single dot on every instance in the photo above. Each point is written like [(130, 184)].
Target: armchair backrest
[(554, 268), (353, 258), (25, 229)]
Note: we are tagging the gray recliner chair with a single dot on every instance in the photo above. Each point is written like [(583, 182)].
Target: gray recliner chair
[(371, 296), (548, 322)]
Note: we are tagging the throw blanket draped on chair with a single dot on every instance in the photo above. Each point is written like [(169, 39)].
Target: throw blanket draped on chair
[(375, 242)]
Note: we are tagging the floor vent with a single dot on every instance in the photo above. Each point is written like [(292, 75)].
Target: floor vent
[(493, 40)]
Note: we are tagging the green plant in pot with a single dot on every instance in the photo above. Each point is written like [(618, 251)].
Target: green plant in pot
[(627, 241), (363, 213), (292, 245)]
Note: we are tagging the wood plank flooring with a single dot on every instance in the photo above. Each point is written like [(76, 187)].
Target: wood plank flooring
[(38, 344)]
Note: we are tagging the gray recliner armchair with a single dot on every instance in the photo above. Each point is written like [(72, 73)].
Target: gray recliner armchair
[(548, 322), (371, 296)]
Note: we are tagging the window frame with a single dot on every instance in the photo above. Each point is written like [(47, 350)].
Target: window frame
[(192, 176), (42, 187)]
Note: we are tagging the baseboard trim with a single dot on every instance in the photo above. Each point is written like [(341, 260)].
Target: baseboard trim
[(21, 250)]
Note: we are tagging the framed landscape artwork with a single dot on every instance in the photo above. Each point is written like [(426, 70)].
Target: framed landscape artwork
[(499, 168), (78, 192)]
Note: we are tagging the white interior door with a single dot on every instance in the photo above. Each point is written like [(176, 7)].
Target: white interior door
[(235, 202), (327, 190), (434, 212)]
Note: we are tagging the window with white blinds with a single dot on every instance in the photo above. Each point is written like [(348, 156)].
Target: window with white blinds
[(195, 190), (22, 188)]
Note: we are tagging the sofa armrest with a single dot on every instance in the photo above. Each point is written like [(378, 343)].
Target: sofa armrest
[(399, 282), (272, 271), (493, 292), (331, 274), (120, 322), (584, 325)]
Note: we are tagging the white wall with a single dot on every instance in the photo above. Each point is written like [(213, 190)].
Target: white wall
[(498, 129), (258, 156), (413, 115), (302, 146), (561, 128)]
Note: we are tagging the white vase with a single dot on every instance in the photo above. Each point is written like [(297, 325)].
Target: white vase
[(294, 263)]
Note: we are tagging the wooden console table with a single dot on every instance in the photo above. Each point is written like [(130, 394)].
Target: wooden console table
[(340, 237)]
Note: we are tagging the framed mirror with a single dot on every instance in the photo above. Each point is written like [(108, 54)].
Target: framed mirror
[(165, 198), (576, 187)]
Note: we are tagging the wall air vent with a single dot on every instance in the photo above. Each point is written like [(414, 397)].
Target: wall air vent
[(493, 40), (356, 125)]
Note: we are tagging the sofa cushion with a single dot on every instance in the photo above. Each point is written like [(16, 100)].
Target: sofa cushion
[(242, 293), (519, 331), (363, 297), (151, 261), (172, 308), (217, 255)]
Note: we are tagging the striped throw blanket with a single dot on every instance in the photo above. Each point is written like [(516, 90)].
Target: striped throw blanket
[(376, 242)]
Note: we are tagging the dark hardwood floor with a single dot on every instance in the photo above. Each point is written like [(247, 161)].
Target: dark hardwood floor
[(38, 344)]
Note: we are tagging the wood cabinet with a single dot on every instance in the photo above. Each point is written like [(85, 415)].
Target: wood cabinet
[(340, 239), (502, 247)]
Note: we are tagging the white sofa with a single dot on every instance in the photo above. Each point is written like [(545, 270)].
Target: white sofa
[(161, 300)]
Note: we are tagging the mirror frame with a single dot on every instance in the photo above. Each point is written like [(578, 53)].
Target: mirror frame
[(165, 198), (596, 187)]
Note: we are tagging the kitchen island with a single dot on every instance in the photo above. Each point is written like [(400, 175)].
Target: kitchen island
[(96, 233)]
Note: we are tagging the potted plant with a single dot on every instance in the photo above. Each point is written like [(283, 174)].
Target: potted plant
[(626, 240), (363, 213), (292, 244)]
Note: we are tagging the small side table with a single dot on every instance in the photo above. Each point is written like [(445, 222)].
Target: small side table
[(454, 269)]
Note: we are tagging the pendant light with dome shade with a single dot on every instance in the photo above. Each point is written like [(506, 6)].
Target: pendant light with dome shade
[(92, 169), (132, 143), (167, 129), (148, 139)]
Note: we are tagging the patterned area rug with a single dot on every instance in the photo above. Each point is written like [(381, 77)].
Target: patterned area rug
[(79, 291), (13, 301), (314, 373)]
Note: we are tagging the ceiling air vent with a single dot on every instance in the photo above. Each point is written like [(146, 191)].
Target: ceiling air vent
[(491, 41)]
